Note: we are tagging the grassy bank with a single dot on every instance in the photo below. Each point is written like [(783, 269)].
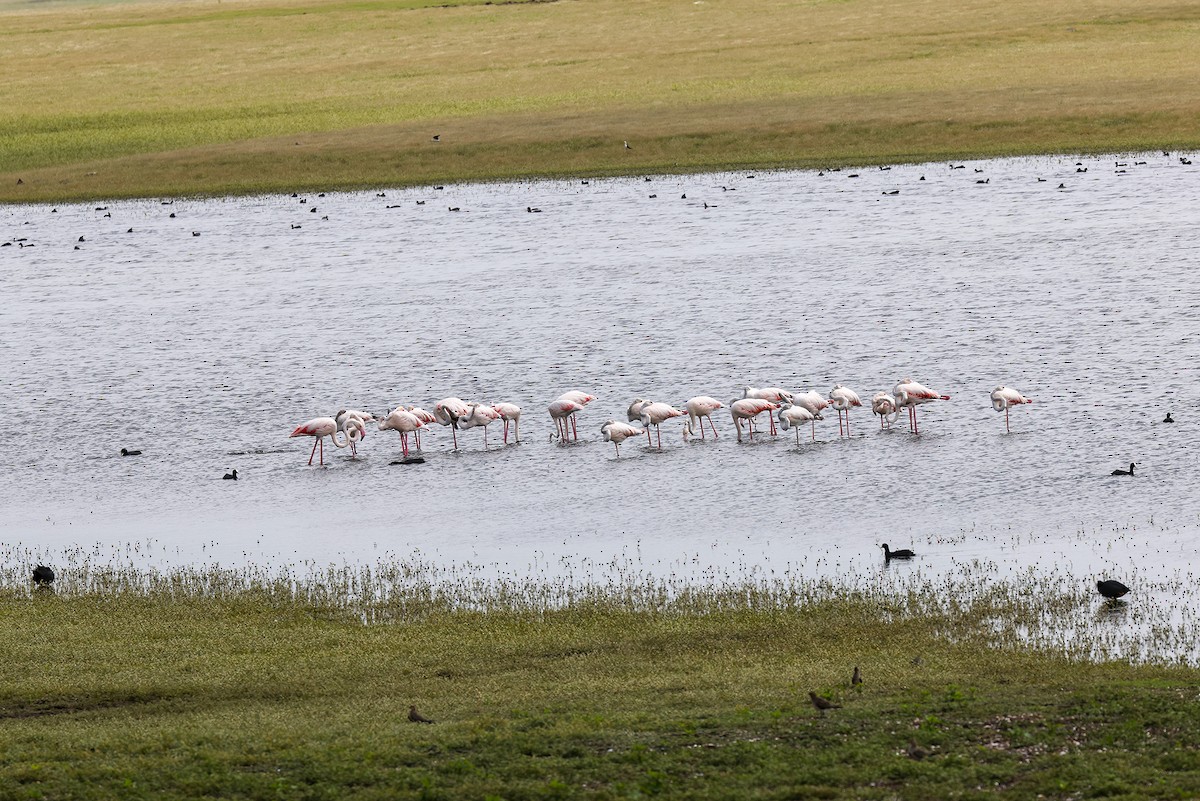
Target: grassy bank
[(142, 98), (186, 688)]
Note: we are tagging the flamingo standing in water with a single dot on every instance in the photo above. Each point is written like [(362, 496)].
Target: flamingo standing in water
[(404, 422), (699, 408), (1004, 397), (911, 394), (510, 412), (842, 400), (773, 394), (884, 405), (447, 411), (814, 402), (655, 414), (422, 415), (477, 415), (578, 398), (561, 412), (791, 415), (347, 418), (747, 409), (321, 427), (634, 413), (616, 433)]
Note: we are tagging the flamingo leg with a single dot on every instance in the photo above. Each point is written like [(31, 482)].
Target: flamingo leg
[(847, 422), (506, 431), (711, 425), (314, 451), (454, 431), (797, 435), (839, 411), (1006, 427), (404, 444), (322, 441), (618, 447), (485, 438), (417, 437), (649, 441), (658, 431), (575, 428), (814, 429)]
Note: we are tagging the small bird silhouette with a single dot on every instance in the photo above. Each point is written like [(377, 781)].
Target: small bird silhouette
[(915, 751), (822, 704), (856, 679), (415, 716), (903, 553), (125, 452), (1128, 472), (1169, 418), (43, 576), (230, 476), (1111, 589), (627, 147), (437, 137)]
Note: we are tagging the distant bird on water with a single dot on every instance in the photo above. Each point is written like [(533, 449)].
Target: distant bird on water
[(821, 704), (230, 476), (125, 452), (415, 716), (43, 576), (903, 553), (1128, 472), (1111, 589), (1004, 397), (1169, 418)]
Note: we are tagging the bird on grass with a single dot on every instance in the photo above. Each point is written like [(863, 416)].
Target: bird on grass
[(43, 576), (903, 553), (1128, 472), (230, 476), (856, 679), (915, 751), (415, 716), (125, 452), (821, 704), (1111, 589)]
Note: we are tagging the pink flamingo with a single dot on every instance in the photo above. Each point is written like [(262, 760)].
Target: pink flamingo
[(773, 394), (842, 399), (655, 414), (321, 427), (478, 415), (884, 405), (634, 413), (747, 409), (699, 408), (346, 418), (422, 415), (911, 394), (580, 399), (792, 416), (510, 412), (1004, 397), (616, 433), (562, 412), (815, 403), (404, 422), (447, 411)]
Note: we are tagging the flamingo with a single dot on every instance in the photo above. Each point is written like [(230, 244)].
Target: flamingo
[(747, 409), (346, 418), (655, 414), (478, 415), (1003, 397), (447, 411), (814, 402), (321, 427), (884, 405), (842, 399), (616, 433), (560, 412), (699, 408), (510, 412), (634, 413), (791, 416), (773, 394), (911, 394), (580, 399), (422, 415), (404, 422)]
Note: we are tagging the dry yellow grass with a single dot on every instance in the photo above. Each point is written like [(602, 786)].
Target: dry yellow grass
[(257, 95)]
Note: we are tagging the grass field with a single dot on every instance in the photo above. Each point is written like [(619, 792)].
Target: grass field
[(201, 686), (147, 98)]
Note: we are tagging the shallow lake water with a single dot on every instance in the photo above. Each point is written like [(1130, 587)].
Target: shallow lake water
[(205, 337)]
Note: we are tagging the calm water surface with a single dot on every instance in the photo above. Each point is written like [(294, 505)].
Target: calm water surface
[(205, 351)]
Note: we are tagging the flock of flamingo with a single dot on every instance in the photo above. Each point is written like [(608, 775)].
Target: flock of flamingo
[(791, 410)]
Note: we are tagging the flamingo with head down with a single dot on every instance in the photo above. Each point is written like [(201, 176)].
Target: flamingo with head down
[(347, 418), (447, 411), (700, 408), (884, 405), (655, 414), (773, 394), (321, 427), (616, 433), (911, 394), (747, 409), (1004, 397), (478, 415), (842, 400), (510, 413), (403, 422), (578, 399), (793, 416)]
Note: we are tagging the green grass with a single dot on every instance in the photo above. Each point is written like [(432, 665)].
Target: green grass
[(205, 684), (143, 98)]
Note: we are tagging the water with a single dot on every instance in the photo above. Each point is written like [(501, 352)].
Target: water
[(206, 351)]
